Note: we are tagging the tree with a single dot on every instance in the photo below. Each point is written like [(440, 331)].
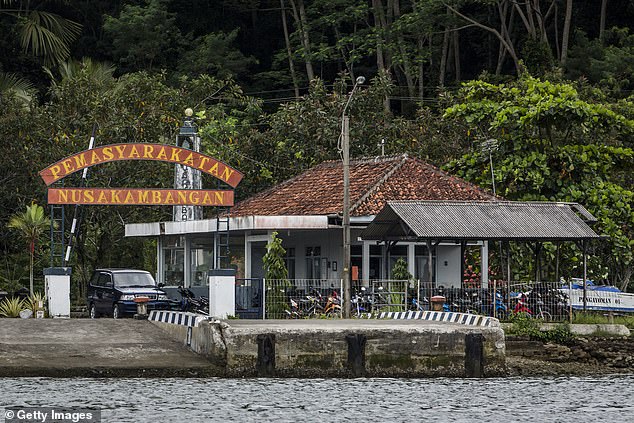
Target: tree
[(144, 37), (276, 276), (273, 260), (215, 54), (555, 145), (31, 224), (44, 34), (12, 84)]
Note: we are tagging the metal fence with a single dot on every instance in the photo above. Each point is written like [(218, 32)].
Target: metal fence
[(320, 298), (381, 295), (302, 298), (503, 300)]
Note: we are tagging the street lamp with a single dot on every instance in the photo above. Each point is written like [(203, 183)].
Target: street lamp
[(345, 150), (184, 176)]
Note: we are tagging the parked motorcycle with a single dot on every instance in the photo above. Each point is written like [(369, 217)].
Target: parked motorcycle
[(191, 303)]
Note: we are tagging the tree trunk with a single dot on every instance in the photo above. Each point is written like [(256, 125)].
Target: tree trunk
[(381, 60), (289, 51), (604, 10), (381, 24), (31, 273), (443, 56), (299, 13), (508, 44), (505, 30), (456, 54), (566, 33), (406, 66), (421, 69), (349, 65)]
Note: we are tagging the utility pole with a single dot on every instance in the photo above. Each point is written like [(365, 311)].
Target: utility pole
[(347, 294), (345, 150)]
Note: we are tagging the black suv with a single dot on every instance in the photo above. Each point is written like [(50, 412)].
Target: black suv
[(112, 292)]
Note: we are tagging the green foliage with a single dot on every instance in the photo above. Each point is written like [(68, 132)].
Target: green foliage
[(400, 272), (216, 54), (13, 273), (608, 63), (11, 307), (524, 325), (33, 302), (273, 260), (555, 145), (144, 37), (31, 225), (13, 85), (43, 34), (277, 274)]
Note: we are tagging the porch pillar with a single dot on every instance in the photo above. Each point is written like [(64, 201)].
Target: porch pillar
[(484, 264), (365, 263), (411, 259), (187, 259), (463, 248), (247, 256), (160, 261)]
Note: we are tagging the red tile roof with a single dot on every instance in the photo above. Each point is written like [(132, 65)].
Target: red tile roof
[(319, 191)]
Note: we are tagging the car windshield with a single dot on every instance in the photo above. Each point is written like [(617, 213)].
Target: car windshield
[(133, 280)]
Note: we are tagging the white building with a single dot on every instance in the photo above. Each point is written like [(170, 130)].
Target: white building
[(306, 213)]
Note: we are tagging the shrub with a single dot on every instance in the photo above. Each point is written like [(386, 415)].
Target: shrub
[(34, 301), (11, 307), (525, 325)]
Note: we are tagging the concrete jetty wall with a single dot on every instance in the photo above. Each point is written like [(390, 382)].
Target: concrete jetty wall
[(345, 348)]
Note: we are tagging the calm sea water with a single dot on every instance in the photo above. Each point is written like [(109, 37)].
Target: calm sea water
[(579, 399)]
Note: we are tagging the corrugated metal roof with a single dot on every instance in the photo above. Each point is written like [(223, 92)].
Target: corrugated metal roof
[(502, 220)]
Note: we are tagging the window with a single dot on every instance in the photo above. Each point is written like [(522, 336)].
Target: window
[(105, 280), (356, 261), (422, 264), (201, 260), (289, 261), (376, 262), (173, 256), (313, 262)]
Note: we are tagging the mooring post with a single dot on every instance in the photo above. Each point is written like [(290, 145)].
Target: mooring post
[(265, 366), (474, 355), (356, 353)]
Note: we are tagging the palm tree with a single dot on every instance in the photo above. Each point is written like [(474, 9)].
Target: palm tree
[(99, 72), (12, 84), (32, 225), (43, 34)]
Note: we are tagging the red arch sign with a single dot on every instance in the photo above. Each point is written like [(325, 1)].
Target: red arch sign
[(140, 196), (159, 152)]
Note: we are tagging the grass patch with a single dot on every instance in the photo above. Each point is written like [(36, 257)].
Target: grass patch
[(523, 325), (602, 319)]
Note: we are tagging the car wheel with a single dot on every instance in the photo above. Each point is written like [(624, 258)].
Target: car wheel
[(116, 313), (93, 311)]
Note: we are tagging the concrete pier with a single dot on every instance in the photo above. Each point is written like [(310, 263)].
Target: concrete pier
[(248, 348), (345, 348), (93, 348)]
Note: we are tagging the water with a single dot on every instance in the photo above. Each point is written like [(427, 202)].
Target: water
[(580, 399)]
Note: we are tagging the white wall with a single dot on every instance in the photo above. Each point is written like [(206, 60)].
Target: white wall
[(331, 249)]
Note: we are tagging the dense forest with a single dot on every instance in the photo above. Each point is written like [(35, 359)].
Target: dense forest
[(541, 89)]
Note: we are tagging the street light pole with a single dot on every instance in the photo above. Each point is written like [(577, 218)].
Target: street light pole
[(490, 145), (345, 150)]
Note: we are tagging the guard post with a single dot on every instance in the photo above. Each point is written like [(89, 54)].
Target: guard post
[(222, 293), (57, 291)]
